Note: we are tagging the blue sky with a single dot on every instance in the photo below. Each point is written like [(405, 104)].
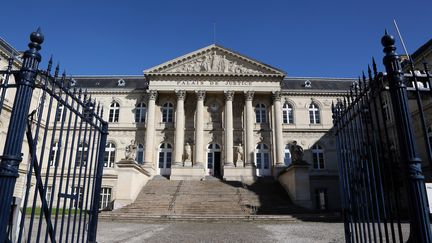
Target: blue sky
[(303, 38)]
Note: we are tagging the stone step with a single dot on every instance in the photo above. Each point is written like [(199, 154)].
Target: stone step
[(206, 199)]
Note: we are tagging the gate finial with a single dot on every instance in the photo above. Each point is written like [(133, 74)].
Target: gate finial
[(36, 39)]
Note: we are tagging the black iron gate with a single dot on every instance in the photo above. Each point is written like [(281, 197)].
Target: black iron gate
[(52, 161), (381, 128)]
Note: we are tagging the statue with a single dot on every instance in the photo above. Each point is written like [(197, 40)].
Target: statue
[(239, 151), (188, 153), (131, 151), (296, 153)]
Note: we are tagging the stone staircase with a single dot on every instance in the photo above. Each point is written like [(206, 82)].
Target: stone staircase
[(207, 199)]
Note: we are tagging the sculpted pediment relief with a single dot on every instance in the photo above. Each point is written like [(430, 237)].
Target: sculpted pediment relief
[(213, 63), (214, 60)]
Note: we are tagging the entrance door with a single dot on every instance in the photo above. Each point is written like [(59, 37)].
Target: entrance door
[(217, 165), (262, 159), (165, 157), (213, 160)]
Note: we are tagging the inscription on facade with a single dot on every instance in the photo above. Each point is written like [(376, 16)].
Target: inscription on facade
[(214, 83)]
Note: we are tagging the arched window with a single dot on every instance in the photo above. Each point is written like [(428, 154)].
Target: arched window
[(260, 113), (262, 159), (59, 113), (109, 157), (318, 157), (288, 114), (167, 112), (81, 158), (140, 154), (53, 153), (165, 157), (314, 114), (140, 112), (114, 112), (287, 155)]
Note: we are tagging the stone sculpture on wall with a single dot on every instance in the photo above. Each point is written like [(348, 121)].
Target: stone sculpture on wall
[(213, 63), (188, 153), (130, 151), (296, 153)]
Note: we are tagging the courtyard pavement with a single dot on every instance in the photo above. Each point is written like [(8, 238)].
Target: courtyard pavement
[(299, 232)]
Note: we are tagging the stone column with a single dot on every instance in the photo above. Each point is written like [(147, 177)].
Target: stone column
[(150, 129), (199, 129), (277, 129), (249, 151), (229, 137), (179, 128)]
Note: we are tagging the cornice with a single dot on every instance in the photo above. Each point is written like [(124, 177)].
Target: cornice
[(315, 93)]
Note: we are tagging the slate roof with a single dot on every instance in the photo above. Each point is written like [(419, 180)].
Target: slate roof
[(321, 84), (421, 50), (130, 82), (10, 50)]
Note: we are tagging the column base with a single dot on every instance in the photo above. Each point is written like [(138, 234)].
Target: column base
[(187, 164), (240, 164), (198, 165), (239, 174), (187, 173), (177, 164), (229, 164)]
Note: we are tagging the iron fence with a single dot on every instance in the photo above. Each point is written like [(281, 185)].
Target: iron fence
[(380, 126), (52, 162)]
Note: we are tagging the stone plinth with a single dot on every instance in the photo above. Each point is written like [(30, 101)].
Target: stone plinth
[(295, 179), (131, 176), (187, 173), (239, 173)]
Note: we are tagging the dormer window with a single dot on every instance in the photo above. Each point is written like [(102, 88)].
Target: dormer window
[(308, 84), (73, 83), (121, 83)]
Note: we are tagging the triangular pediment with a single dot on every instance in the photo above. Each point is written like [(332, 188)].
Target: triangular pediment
[(214, 60)]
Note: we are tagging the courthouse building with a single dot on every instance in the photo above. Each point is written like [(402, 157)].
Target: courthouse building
[(217, 113), (213, 113)]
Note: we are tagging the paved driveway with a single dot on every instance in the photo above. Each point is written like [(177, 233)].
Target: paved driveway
[(220, 232)]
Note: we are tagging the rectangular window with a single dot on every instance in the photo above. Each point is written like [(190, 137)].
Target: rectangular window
[(170, 116), (321, 198), (168, 159), (210, 160), (266, 161), (258, 160), (317, 117), (78, 191), (290, 117), (59, 113), (161, 158), (318, 160), (48, 195), (105, 198)]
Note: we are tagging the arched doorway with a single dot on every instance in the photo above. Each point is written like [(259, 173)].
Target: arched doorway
[(164, 161), (262, 159), (214, 160)]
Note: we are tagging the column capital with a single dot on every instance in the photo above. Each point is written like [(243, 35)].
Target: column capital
[(277, 95), (229, 95), (181, 94), (200, 94), (152, 94), (249, 95)]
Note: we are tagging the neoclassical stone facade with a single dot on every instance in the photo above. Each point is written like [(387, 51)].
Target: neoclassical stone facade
[(216, 113)]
